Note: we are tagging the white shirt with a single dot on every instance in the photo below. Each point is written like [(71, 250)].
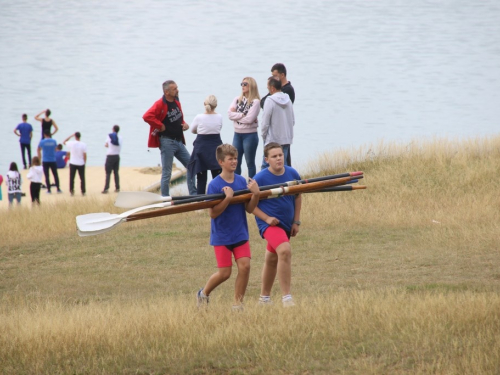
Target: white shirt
[(113, 149), (14, 181), (207, 124), (35, 174), (76, 149)]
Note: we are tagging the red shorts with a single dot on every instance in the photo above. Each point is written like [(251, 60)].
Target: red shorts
[(224, 255), (275, 236)]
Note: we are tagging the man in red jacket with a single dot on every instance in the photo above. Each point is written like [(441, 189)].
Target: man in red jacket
[(167, 125)]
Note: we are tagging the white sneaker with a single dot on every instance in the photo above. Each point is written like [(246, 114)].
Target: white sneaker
[(201, 300), (288, 302), (238, 308), (265, 302)]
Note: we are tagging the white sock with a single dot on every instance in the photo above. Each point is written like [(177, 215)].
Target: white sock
[(286, 298), (265, 298)]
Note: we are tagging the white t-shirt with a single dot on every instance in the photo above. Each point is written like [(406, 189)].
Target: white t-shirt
[(114, 149), (76, 150), (207, 124)]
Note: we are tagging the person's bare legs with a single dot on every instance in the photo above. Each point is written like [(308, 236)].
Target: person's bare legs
[(216, 279), (268, 273), (241, 282), (284, 270)]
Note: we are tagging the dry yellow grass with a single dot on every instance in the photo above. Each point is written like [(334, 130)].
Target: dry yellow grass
[(400, 278)]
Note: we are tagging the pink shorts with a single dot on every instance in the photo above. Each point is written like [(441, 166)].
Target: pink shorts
[(275, 236), (224, 255)]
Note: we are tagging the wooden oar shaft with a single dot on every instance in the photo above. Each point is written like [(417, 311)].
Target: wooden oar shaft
[(284, 190), (339, 188)]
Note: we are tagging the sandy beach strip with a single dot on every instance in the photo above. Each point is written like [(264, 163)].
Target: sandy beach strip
[(131, 179)]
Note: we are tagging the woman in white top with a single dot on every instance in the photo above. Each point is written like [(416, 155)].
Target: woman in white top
[(243, 112), (207, 126), (35, 175), (14, 184)]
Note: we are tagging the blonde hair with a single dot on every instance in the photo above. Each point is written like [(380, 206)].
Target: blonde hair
[(210, 103), (253, 91)]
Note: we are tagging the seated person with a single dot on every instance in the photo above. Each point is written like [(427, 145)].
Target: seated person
[(61, 157)]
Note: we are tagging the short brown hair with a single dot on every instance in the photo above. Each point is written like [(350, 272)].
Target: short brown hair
[(270, 146), (35, 160), (224, 150)]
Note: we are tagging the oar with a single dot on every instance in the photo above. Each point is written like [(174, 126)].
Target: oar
[(131, 199), (339, 188), (325, 190), (101, 222)]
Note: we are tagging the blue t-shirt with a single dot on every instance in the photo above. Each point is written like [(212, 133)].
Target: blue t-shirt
[(48, 146), (60, 155), (230, 226), (282, 208), (25, 129)]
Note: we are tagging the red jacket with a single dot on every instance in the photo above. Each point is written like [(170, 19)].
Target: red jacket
[(154, 116)]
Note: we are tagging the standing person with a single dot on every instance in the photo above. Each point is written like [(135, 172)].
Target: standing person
[(243, 111), (14, 182), (77, 159), (207, 126), (278, 118), (279, 72), (114, 146), (1, 181), (25, 132), (47, 154), (61, 157), (229, 228), (167, 125), (35, 175), (47, 123), (278, 219)]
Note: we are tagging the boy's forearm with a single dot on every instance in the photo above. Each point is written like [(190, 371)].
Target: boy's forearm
[(252, 204), (260, 214), (218, 209), (298, 207)]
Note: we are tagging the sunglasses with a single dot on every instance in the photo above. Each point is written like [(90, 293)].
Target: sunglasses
[(244, 84)]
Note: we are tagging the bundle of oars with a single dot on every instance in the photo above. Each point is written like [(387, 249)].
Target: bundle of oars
[(92, 224)]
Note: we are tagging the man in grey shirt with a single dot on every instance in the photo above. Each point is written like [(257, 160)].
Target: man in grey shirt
[(278, 118)]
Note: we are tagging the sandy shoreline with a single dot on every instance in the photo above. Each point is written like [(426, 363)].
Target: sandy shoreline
[(131, 179)]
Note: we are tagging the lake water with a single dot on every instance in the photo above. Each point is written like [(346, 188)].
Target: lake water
[(362, 70)]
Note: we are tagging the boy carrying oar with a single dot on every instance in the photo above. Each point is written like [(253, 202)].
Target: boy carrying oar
[(278, 219), (229, 228)]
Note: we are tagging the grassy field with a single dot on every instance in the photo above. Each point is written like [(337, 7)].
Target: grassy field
[(400, 278)]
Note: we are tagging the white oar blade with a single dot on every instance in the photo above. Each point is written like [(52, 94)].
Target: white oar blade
[(97, 222), (133, 199), (95, 232)]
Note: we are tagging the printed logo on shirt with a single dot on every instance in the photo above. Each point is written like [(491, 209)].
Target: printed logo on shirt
[(174, 115), (243, 106)]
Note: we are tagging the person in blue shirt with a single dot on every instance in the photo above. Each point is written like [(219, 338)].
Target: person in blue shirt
[(25, 132), (61, 157), (278, 219), (229, 228), (47, 148)]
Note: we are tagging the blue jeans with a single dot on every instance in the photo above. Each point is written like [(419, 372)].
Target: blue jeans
[(285, 148), (16, 196), (169, 149), (246, 144)]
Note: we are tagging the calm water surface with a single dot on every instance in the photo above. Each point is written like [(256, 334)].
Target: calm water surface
[(362, 70)]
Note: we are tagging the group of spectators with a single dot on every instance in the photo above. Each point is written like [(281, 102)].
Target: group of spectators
[(51, 157), (167, 126), (278, 219)]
